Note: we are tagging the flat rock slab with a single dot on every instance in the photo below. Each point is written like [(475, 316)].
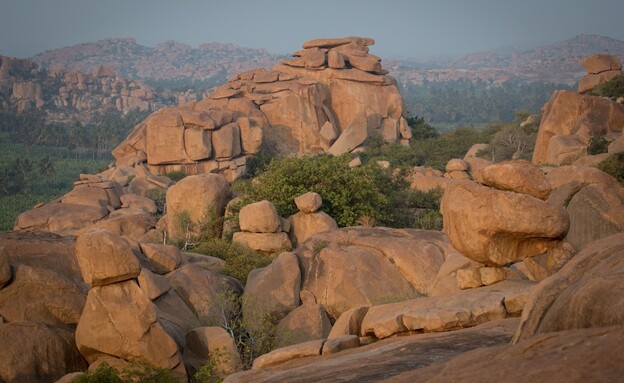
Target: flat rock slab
[(435, 314), (383, 359), (585, 355)]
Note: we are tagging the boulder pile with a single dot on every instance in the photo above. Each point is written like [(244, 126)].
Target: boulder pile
[(330, 98), (262, 229)]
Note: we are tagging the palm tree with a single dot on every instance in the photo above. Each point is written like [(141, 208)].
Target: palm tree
[(46, 166)]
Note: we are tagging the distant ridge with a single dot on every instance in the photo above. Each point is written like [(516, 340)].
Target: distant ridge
[(167, 61)]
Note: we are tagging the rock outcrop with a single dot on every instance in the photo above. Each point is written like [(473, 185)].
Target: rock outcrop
[(569, 121), (600, 68), (330, 98), (497, 227)]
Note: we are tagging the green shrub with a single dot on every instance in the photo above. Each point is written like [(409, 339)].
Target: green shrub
[(614, 166), (612, 89), (257, 163), (176, 175), (597, 145), (138, 372), (239, 260), (366, 195)]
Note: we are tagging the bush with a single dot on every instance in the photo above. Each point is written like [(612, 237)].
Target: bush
[(176, 175), (347, 193), (239, 261), (597, 145), (614, 166), (612, 89), (365, 195), (138, 372)]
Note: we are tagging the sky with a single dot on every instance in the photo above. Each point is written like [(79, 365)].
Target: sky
[(401, 28)]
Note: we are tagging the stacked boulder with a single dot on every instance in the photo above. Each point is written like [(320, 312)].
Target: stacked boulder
[(457, 169), (505, 220), (262, 228), (119, 319), (304, 105), (600, 68), (570, 119), (309, 220)]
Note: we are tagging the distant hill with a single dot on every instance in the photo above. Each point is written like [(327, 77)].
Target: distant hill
[(168, 64), (555, 63)]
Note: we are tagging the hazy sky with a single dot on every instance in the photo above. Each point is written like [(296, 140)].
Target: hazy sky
[(400, 27)]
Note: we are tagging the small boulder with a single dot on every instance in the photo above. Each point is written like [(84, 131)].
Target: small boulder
[(263, 242), (519, 176), (5, 267), (303, 324), (164, 258), (259, 217), (214, 345), (305, 225), (309, 202)]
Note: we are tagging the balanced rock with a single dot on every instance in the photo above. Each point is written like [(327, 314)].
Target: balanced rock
[(105, 258), (496, 227), (309, 202), (519, 176), (259, 217)]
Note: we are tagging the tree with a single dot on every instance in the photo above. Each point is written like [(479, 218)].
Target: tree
[(46, 166)]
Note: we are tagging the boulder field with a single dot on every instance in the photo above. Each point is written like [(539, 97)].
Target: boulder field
[(520, 285)]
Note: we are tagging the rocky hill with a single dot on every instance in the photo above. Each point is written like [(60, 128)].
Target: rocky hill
[(167, 62), (75, 95), (556, 63)]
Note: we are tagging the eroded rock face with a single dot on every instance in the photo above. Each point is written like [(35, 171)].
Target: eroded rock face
[(581, 294), (569, 121), (497, 227)]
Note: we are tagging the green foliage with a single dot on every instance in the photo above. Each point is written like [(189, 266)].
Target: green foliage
[(612, 89), (475, 102), (103, 374), (597, 145), (21, 186), (138, 372), (420, 129), (614, 166), (209, 372), (176, 175), (347, 193), (509, 141), (160, 198), (257, 163), (367, 195), (239, 260), (251, 339)]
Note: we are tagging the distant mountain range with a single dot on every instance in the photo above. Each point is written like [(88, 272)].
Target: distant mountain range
[(169, 63), (176, 65), (555, 63)]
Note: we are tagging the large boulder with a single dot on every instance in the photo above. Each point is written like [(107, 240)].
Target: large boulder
[(272, 290), (60, 218), (37, 353), (519, 176), (305, 323), (203, 291), (120, 320), (209, 192), (577, 117), (353, 267), (105, 258), (211, 345), (259, 217), (498, 227), (581, 294)]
